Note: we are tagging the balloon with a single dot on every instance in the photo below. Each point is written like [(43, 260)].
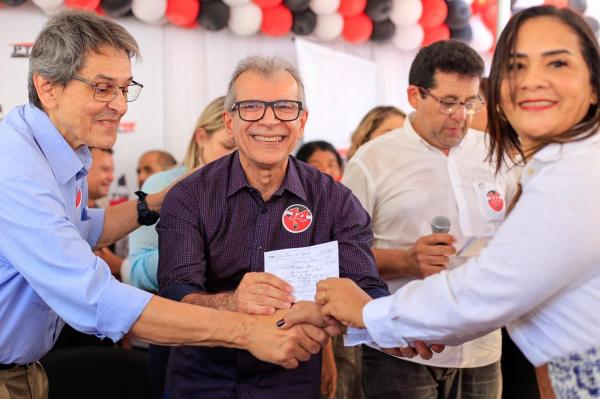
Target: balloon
[(490, 17), (527, 3), (296, 5), (324, 7), (479, 6), (48, 4), (329, 27), (245, 20), (408, 38), (482, 40), (149, 11), (267, 3), (234, 3), (379, 10), (351, 8), (435, 34), (83, 4), (116, 8), (594, 24), (464, 34), (406, 12), (434, 13), (182, 12), (13, 3), (276, 21), (214, 15), (357, 29), (557, 3), (304, 22), (383, 31), (459, 13), (578, 5)]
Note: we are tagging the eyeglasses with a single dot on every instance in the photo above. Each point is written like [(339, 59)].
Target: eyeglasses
[(254, 110), (106, 92), (449, 107)]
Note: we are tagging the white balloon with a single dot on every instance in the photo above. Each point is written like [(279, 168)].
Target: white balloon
[(324, 7), (527, 3), (235, 3), (245, 20), (329, 27), (408, 38), (482, 40), (149, 11), (48, 4), (406, 12)]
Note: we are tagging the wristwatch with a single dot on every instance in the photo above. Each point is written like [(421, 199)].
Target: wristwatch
[(146, 217)]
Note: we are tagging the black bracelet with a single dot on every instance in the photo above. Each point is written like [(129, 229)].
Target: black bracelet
[(146, 217)]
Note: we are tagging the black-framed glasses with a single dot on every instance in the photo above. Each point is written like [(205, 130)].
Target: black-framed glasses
[(254, 110), (449, 107), (106, 92)]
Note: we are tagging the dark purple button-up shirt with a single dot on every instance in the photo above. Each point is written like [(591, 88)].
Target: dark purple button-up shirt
[(215, 227)]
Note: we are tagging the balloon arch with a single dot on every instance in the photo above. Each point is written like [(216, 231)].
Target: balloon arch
[(408, 24)]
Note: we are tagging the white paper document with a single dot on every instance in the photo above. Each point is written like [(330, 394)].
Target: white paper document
[(303, 267)]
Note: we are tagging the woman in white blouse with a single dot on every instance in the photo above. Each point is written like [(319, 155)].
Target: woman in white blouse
[(540, 274)]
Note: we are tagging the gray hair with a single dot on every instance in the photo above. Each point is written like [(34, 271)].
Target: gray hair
[(60, 49), (268, 67)]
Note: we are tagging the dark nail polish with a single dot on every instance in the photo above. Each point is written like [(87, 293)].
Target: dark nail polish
[(280, 322)]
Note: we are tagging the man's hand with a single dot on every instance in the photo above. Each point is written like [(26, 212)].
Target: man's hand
[(261, 293), (310, 313), (418, 348), (343, 300), (430, 254), (285, 347), (113, 261)]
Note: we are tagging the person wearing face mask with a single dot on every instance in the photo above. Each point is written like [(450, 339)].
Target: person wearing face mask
[(540, 274), (217, 224)]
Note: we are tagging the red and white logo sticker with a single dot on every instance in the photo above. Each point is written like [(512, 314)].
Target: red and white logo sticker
[(296, 218), (78, 199), (495, 201)]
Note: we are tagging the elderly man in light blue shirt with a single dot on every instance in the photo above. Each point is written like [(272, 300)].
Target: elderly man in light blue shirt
[(79, 84)]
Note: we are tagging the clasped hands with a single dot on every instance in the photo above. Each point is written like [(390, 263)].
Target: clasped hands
[(339, 302)]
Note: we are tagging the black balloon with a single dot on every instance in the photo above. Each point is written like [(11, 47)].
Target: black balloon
[(464, 34), (459, 13), (378, 10), (383, 31), (116, 8), (214, 15), (594, 24), (296, 5), (578, 5), (304, 22), (13, 3)]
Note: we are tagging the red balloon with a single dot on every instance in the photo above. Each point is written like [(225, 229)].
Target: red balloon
[(557, 3), (267, 3), (276, 21), (434, 13), (435, 34), (490, 17), (357, 29), (479, 6), (351, 8), (83, 4), (182, 12)]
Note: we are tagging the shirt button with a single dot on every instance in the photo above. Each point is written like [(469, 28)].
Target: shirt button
[(263, 211), (259, 247)]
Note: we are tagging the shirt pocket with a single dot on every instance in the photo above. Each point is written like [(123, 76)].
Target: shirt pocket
[(491, 198)]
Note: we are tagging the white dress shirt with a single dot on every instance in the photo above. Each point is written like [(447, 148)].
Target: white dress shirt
[(539, 275), (404, 182)]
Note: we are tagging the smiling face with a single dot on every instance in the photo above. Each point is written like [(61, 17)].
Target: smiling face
[(266, 143), (547, 89), (440, 130), (101, 174), (80, 118)]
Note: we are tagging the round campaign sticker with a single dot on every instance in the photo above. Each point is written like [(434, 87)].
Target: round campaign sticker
[(78, 199), (296, 218), (495, 200)]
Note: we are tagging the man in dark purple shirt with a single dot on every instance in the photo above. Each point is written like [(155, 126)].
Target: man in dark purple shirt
[(217, 224)]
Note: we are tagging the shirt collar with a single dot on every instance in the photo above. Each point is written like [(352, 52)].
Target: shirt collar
[(291, 181), (65, 162)]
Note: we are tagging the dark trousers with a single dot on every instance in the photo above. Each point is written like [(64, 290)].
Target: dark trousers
[(387, 377), (518, 374)]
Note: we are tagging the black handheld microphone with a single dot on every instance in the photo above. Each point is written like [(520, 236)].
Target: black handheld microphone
[(440, 224)]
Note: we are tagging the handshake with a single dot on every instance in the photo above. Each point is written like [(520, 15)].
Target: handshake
[(289, 332)]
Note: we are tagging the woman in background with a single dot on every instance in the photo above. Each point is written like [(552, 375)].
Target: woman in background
[(378, 121), (323, 156)]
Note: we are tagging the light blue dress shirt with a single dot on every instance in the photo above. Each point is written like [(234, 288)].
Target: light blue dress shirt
[(143, 242), (48, 272)]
